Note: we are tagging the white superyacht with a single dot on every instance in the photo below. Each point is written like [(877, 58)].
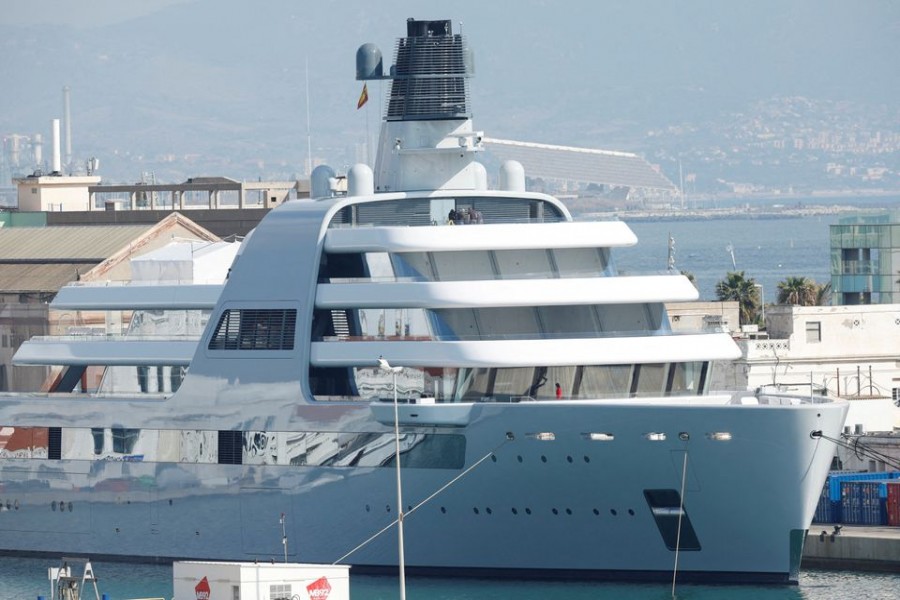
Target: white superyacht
[(551, 422)]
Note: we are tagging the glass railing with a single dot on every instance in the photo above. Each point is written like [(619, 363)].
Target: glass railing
[(537, 336)]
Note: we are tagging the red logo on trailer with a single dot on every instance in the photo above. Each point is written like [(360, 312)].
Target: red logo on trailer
[(319, 589), (201, 590)]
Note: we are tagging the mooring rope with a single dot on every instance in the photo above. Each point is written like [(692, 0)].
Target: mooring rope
[(428, 499), (680, 514)]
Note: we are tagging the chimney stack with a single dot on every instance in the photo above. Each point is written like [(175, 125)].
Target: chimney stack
[(57, 167), (67, 116)]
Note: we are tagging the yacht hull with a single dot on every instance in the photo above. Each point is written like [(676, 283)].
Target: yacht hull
[(570, 506)]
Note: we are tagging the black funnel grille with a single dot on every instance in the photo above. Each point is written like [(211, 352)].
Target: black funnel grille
[(429, 79)]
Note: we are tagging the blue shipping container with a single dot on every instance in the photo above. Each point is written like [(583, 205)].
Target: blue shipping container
[(863, 502), (835, 478), (826, 510)]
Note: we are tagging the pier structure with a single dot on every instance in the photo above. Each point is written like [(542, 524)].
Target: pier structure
[(852, 548)]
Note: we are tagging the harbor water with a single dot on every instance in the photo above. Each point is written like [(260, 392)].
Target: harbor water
[(26, 578), (767, 250)]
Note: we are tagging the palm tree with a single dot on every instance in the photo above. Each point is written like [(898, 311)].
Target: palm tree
[(736, 286), (800, 291), (823, 294)]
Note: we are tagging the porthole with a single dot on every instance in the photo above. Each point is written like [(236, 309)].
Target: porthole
[(527, 511), (387, 508), (631, 512), (587, 459), (16, 505), (568, 511), (475, 510), (488, 510), (613, 512), (543, 458), (519, 458), (69, 506), (569, 458), (368, 508), (555, 512), (494, 457), (596, 512), (515, 511), (53, 506), (444, 510)]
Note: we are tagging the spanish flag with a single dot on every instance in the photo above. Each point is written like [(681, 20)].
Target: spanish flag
[(363, 97)]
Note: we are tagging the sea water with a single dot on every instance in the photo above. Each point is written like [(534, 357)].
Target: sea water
[(767, 250), (26, 578)]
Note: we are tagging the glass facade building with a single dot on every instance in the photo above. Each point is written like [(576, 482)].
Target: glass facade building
[(865, 259)]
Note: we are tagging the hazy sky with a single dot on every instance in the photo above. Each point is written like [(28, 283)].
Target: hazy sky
[(189, 77), (92, 13)]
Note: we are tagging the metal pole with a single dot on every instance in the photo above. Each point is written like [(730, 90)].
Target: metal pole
[(399, 491), (386, 366)]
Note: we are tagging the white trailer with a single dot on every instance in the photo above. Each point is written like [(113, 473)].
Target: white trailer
[(213, 580)]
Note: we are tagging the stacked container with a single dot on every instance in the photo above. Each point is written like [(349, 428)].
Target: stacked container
[(863, 502), (832, 503), (892, 503)]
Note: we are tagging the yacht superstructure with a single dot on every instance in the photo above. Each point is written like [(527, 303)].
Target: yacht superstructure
[(552, 424)]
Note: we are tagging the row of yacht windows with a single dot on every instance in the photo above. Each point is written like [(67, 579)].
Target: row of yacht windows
[(512, 384), (495, 323), (471, 265)]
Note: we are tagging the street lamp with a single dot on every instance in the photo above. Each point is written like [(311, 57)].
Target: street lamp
[(762, 302), (386, 366)]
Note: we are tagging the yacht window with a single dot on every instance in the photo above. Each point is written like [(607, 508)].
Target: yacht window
[(523, 264), (604, 381), (472, 265), (474, 384), (565, 377), (230, 447), (54, 443), (255, 329), (415, 265), (97, 433), (624, 317), (124, 440), (581, 262), (511, 322), (517, 383), (579, 321), (686, 379), (649, 380)]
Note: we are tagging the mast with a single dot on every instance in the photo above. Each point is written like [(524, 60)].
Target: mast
[(427, 139)]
